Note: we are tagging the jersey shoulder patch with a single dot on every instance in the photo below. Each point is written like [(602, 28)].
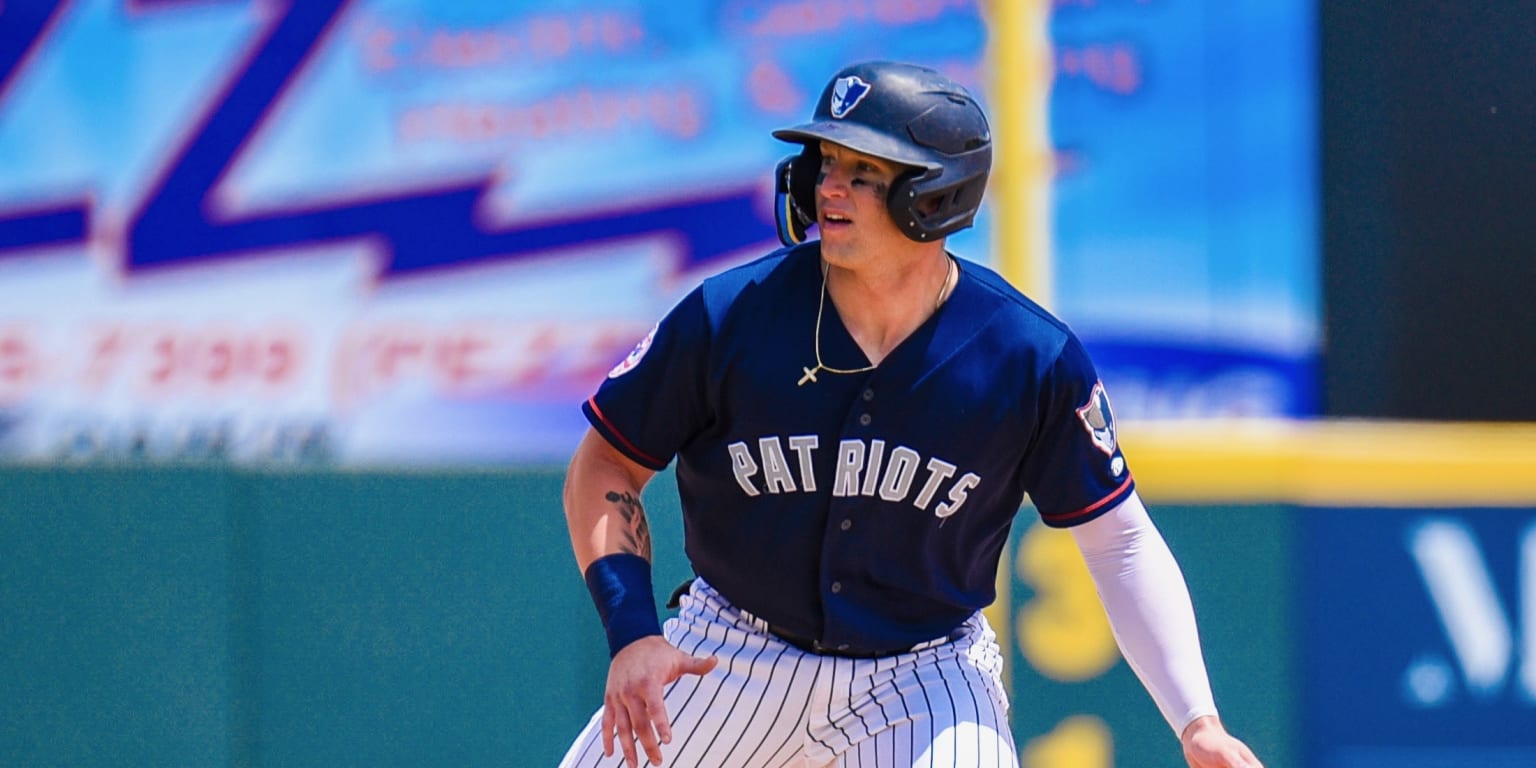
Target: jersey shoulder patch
[(1098, 419), (633, 359)]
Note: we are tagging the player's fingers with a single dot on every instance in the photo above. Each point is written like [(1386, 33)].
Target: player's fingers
[(1250, 760), (609, 725), (648, 721), (700, 665), (656, 711), (1239, 757), (625, 733)]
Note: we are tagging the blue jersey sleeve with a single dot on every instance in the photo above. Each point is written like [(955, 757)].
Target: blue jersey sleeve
[(653, 401), (1074, 470)]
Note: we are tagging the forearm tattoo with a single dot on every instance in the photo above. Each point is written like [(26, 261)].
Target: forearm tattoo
[(637, 532)]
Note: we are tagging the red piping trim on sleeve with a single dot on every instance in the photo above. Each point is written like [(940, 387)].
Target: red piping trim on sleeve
[(1092, 507), (592, 401)]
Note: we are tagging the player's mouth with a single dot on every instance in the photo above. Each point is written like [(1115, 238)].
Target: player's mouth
[(831, 222)]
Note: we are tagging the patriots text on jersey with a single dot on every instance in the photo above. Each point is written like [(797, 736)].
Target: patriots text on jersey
[(862, 469)]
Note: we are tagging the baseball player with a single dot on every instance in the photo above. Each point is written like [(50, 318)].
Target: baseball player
[(856, 421)]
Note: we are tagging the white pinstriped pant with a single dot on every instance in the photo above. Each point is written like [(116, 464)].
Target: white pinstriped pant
[(770, 705)]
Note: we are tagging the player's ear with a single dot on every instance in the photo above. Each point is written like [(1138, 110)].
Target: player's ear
[(794, 182)]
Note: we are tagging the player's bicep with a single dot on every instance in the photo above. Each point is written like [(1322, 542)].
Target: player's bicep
[(1075, 470), (597, 458)]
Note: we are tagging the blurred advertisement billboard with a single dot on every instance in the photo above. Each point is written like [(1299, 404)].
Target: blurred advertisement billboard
[(381, 232)]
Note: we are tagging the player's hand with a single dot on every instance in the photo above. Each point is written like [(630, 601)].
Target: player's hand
[(1208, 745), (632, 705)]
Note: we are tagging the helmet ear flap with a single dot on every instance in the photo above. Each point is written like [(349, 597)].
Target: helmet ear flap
[(794, 184), (903, 204), (930, 204)]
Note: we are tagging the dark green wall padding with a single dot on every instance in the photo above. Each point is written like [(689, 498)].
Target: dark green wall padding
[(212, 616)]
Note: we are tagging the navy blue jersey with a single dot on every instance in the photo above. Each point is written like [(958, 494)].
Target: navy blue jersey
[(869, 509)]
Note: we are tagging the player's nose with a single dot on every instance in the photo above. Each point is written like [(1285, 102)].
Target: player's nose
[(833, 182)]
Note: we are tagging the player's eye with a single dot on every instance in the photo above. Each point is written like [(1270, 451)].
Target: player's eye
[(868, 176)]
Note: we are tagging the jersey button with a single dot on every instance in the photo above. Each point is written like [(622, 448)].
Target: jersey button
[(846, 524), (837, 586), (864, 419), (869, 394)]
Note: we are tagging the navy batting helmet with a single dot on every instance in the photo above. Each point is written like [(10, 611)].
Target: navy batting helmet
[(906, 114)]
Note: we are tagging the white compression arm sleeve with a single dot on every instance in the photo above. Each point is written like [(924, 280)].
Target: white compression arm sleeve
[(1149, 609)]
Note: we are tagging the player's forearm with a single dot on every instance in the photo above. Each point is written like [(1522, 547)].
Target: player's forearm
[(1149, 608), (603, 510), (611, 539)]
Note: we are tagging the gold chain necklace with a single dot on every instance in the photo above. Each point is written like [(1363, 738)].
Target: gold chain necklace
[(821, 305)]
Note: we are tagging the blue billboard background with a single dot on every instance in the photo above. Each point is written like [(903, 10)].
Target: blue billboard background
[(1186, 218)]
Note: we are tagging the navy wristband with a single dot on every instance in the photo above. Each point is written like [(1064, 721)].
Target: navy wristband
[(621, 587)]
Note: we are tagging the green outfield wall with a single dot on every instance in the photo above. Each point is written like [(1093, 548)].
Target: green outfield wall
[(215, 616)]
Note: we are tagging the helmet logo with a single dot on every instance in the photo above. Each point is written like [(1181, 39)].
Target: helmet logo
[(847, 94)]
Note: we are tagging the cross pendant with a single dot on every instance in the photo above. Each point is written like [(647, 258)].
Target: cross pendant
[(810, 375)]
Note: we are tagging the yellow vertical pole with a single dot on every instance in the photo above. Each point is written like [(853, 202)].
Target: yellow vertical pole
[(1020, 59), (1019, 62)]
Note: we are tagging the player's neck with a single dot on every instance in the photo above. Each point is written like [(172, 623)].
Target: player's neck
[(882, 302)]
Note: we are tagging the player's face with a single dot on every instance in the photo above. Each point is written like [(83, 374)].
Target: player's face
[(850, 205)]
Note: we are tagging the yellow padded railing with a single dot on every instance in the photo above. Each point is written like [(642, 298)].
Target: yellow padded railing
[(1333, 462)]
